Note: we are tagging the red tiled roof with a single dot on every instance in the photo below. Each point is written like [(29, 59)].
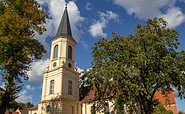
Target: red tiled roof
[(24, 111), (89, 96), (162, 99), (14, 112), (34, 108)]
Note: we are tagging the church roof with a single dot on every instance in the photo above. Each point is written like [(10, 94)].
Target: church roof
[(162, 98), (64, 28), (34, 108)]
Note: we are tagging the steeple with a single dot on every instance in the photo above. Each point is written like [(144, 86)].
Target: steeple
[(64, 28)]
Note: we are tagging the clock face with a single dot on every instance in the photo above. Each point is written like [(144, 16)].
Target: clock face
[(54, 64), (69, 65)]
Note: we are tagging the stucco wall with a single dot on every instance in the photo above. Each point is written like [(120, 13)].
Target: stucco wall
[(86, 108)]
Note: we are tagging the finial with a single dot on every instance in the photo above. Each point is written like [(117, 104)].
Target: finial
[(66, 3)]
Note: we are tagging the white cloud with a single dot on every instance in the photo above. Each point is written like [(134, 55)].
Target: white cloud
[(28, 87), (84, 44), (96, 29), (144, 9), (174, 17), (80, 70), (3, 86), (36, 74), (56, 9), (23, 98)]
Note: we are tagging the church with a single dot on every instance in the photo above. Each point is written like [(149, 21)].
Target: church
[(60, 92)]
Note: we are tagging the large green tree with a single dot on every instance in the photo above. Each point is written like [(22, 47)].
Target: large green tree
[(130, 69), (19, 21)]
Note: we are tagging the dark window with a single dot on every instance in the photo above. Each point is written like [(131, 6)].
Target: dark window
[(69, 52), (93, 109), (48, 109), (72, 110), (51, 86), (106, 109), (70, 87), (55, 55)]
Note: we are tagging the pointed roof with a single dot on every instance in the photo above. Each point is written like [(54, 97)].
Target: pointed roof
[(64, 28)]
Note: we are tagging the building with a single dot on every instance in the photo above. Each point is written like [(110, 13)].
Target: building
[(18, 111), (162, 99), (60, 92)]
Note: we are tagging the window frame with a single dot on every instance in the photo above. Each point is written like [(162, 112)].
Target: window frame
[(106, 109), (70, 86), (48, 108), (51, 90), (70, 50), (55, 53), (93, 111)]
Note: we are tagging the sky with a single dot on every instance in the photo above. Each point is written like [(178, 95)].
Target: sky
[(93, 19)]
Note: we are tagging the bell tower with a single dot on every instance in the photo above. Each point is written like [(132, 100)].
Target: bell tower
[(63, 45), (60, 92)]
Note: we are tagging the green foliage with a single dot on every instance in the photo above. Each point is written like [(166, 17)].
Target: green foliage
[(29, 105), (13, 104), (132, 68), (159, 108), (21, 106), (19, 21)]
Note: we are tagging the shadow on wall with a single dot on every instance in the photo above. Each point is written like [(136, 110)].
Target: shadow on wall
[(53, 106)]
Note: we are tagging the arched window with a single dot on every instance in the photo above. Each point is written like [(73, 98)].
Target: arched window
[(93, 111), (106, 109), (48, 109), (69, 52), (55, 55), (52, 86)]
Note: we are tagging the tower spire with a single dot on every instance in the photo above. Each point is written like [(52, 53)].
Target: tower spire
[(64, 28)]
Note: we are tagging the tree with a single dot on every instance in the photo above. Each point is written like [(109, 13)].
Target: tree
[(13, 104), (160, 109), (19, 21), (130, 69), (29, 105), (21, 106)]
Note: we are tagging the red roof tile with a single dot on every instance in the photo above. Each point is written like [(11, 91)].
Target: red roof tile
[(89, 96), (14, 112), (24, 111), (162, 99), (34, 108)]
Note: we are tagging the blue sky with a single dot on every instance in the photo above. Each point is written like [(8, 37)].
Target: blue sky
[(93, 19)]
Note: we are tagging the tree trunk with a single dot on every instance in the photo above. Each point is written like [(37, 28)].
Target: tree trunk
[(6, 98), (5, 103), (147, 109)]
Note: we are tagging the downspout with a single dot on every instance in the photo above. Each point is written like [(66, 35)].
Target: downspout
[(85, 109)]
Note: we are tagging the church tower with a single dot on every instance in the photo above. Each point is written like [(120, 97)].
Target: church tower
[(60, 92)]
